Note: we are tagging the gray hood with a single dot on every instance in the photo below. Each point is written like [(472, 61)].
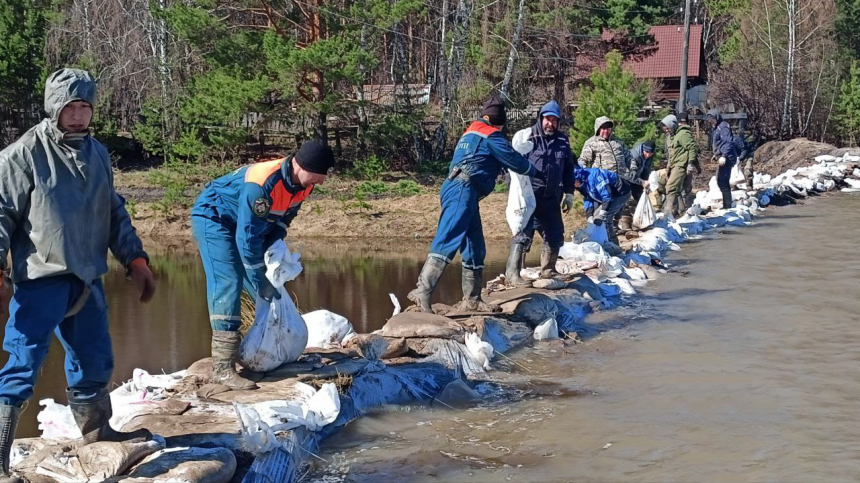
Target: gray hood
[(601, 121), (671, 122), (716, 114), (65, 86)]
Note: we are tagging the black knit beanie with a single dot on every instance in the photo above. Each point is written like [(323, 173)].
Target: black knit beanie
[(315, 156), (494, 109), (649, 146)]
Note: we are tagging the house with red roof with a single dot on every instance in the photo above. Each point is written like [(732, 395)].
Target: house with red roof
[(664, 64)]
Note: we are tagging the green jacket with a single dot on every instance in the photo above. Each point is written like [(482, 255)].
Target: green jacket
[(682, 148), (59, 211)]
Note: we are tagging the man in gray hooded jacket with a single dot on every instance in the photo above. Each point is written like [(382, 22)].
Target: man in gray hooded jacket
[(59, 216)]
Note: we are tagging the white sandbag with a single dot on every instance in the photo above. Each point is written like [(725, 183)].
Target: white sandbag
[(850, 158), (644, 216), (56, 421), (521, 202), (327, 329), (825, 158), (521, 141), (856, 173), (260, 423), (480, 350), (614, 267), (852, 183), (547, 330), (279, 334), (624, 285), (584, 252), (636, 274), (592, 233)]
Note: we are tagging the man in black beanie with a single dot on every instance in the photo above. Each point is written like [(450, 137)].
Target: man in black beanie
[(480, 155), (234, 221)]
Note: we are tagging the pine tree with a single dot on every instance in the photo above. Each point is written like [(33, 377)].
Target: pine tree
[(848, 106), (613, 92)]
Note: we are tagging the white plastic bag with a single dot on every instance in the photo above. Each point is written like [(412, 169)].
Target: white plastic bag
[(521, 142), (279, 334), (260, 423), (644, 215), (521, 203), (480, 350), (56, 421), (547, 330), (327, 329)]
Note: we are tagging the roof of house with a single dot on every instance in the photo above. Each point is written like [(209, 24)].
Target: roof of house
[(666, 61)]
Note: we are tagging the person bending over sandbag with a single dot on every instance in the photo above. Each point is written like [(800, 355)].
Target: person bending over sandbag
[(604, 193), (552, 156), (234, 220), (725, 152), (480, 155), (59, 216)]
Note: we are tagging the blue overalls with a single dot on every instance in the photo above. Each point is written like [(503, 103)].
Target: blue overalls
[(480, 155), (234, 221), (602, 188)]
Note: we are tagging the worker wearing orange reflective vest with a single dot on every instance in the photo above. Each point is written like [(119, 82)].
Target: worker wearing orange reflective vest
[(234, 221)]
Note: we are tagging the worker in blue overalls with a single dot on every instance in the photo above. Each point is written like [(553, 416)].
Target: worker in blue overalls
[(480, 155), (604, 193), (59, 217), (234, 221)]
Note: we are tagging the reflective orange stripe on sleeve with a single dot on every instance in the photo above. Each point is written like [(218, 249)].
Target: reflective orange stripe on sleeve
[(282, 200), (259, 172), (481, 129)]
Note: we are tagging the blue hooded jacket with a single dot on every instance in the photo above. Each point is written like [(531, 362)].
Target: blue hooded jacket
[(599, 186), (482, 152), (551, 156), (722, 139)]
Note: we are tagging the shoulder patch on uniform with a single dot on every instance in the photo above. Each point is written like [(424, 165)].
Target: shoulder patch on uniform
[(262, 206)]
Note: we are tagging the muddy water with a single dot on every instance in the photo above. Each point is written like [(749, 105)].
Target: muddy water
[(744, 370), (172, 331)]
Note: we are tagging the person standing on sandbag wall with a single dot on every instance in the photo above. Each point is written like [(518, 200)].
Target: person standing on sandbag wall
[(682, 153), (59, 217), (235, 220), (553, 191), (604, 194), (725, 153), (480, 155)]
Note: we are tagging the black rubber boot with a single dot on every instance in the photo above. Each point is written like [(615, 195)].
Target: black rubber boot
[(427, 281), (548, 257), (8, 424), (516, 258), (727, 198), (472, 281), (225, 350), (93, 413)]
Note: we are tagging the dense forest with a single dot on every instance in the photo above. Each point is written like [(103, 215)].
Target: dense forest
[(196, 81)]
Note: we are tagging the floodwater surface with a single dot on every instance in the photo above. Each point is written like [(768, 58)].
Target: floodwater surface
[(743, 370), (172, 331)]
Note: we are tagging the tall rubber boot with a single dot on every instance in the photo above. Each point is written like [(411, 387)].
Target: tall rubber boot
[(93, 413), (472, 281), (8, 424), (669, 205), (727, 198), (548, 258), (225, 350), (516, 258), (427, 281)]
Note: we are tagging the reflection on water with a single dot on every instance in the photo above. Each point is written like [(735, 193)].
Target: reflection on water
[(172, 331), (745, 370)]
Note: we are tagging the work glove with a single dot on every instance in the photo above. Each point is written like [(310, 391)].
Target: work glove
[(139, 271), (5, 293), (521, 142), (598, 222), (567, 202), (691, 168), (267, 291), (722, 161)]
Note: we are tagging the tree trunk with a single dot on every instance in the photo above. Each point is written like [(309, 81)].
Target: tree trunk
[(512, 57)]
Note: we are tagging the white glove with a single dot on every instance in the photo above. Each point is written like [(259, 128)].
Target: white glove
[(691, 169), (567, 202), (722, 160), (521, 141)]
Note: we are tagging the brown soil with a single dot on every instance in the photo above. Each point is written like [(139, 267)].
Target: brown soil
[(777, 157), (386, 222)]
